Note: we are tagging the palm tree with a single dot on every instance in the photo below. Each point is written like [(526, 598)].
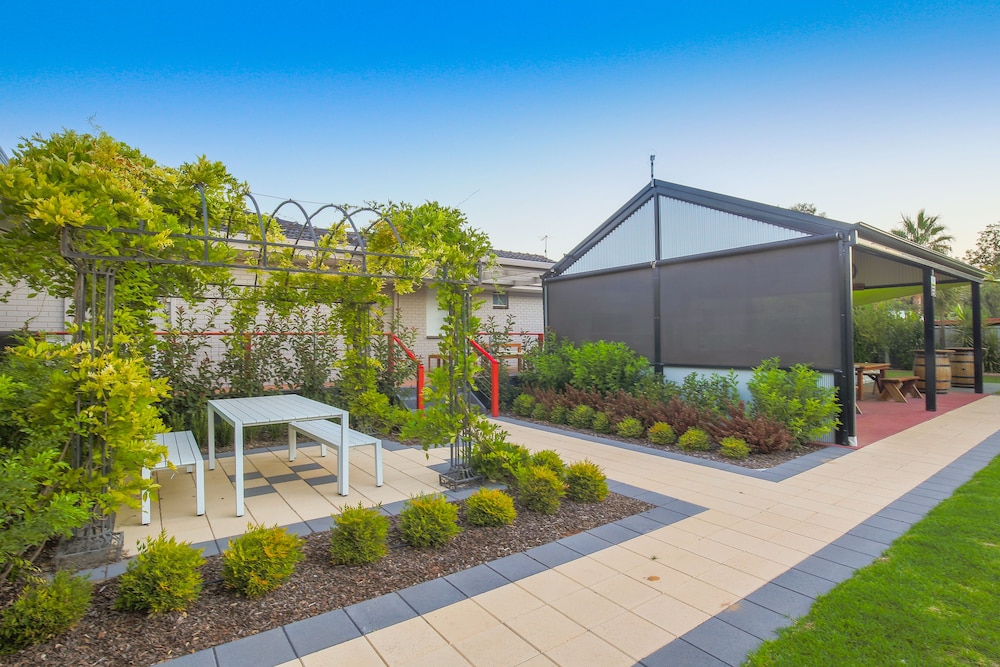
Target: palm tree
[(925, 230)]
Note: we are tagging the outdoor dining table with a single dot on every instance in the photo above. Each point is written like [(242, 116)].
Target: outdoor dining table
[(261, 411), (875, 371)]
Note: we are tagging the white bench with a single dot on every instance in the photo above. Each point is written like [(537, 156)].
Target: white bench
[(329, 433), (182, 450)]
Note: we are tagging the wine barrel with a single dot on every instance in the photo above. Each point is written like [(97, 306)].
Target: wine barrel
[(963, 367), (942, 371)]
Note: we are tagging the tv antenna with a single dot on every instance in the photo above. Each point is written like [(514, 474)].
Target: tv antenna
[(545, 241), (652, 178)]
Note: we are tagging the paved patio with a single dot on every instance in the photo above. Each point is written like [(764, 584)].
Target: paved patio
[(726, 558)]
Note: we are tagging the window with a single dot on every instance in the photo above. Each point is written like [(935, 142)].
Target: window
[(500, 300)]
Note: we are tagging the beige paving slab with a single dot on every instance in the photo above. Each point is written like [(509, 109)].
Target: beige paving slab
[(498, 646), (356, 653), (589, 650), (545, 627), (406, 642)]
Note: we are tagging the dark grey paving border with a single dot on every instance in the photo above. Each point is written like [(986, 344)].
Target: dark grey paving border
[(304, 637), (728, 637), (776, 474)]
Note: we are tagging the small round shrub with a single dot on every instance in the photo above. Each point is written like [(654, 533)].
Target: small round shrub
[(260, 560), (165, 576), (540, 412), (558, 414), (586, 482), (602, 423), (490, 507), (428, 520), (582, 416), (630, 427), (524, 405), (694, 439), (734, 448), (359, 535), (551, 460), (540, 489), (662, 433), (44, 610)]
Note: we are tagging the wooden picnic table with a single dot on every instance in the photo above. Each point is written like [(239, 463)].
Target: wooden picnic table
[(875, 371)]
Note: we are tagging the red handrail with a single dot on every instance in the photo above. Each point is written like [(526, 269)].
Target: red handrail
[(420, 366), (494, 377)]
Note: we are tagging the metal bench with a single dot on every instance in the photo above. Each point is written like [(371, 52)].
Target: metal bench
[(182, 450), (329, 433), (897, 389)]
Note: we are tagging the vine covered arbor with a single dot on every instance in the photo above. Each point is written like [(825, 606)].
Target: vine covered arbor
[(90, 219)]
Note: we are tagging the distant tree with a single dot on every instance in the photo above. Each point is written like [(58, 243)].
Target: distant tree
[(986, 254), (806, 207), (925, 230)]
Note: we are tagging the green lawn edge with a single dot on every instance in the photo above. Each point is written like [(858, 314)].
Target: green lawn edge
[(933, 598)]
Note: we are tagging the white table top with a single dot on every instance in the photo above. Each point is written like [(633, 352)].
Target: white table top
[(277, 409)]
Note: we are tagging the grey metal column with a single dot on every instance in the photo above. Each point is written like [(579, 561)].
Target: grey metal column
[(977, 337), (847, 432), (930, 359)]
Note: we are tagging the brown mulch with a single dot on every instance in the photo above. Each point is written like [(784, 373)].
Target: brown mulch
[(108, 637)]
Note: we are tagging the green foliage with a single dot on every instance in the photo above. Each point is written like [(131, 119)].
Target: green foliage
[(44, 610), (582, 416), (630, 427), (371, 412), (550, 459), (165, 576), (795, 399), (490, 507), (260, 560), (662, 433), (540, 489), (428, 520), (524, 405), (540, 412), (925, 230), (694, 439), (887, 330), (762, 434), (607, 367), (394, 366), (710, 393), (559, 414), (493, 456), (601, 423), (734, 448), (586, 482), (550, 365), (359, 536)]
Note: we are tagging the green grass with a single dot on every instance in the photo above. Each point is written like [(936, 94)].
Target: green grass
[(932, 599)]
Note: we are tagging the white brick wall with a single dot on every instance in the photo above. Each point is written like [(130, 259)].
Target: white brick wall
[(38, 313)]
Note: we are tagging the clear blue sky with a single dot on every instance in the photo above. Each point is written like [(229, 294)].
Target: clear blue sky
[(537, 119)]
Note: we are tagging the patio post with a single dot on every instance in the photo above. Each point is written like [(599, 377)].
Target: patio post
[(930, 359)]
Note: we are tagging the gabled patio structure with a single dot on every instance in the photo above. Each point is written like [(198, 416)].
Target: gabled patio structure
[(703, 282)]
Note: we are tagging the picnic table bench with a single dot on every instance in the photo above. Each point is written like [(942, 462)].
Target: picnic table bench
[(182, 450), (897, 389), (329, 433)]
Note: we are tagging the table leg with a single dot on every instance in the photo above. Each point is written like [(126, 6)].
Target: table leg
[(238, 452), (343, 461), (211, 438), (860, 392)]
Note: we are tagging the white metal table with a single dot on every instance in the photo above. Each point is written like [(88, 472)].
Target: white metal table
[(261, 411)]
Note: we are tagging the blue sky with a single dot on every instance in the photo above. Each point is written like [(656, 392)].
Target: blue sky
[(536, 119)]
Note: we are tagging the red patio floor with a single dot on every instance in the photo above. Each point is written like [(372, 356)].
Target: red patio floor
[(880, 419)]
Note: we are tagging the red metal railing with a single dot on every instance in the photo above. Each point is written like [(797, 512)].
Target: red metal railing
[(393, 338), (494, 377)]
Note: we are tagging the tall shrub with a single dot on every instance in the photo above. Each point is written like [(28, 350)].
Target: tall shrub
[(607, 367), (794, 398)]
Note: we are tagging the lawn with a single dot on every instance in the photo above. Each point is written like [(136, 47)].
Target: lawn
[(932, 599)]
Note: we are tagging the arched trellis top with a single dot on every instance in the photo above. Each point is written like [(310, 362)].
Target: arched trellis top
[(74, 246)]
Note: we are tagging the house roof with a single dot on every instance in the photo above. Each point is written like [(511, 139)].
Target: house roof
[(868, 240)]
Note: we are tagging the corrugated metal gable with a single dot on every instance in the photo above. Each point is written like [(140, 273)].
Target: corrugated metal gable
[(631, 242)]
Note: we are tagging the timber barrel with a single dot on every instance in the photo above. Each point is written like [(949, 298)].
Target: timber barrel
[(942, 371), (963, 367)]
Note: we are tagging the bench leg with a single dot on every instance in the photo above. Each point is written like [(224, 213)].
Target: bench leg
[(199, 485), (145, 499), (910, 389), (891, 391), (343, 465), (378, 463)]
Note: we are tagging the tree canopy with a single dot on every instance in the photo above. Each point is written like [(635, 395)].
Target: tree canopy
[(986, 254), (925, 230)]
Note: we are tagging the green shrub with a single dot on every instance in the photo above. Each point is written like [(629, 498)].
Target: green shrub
[(540, 489), (540, 412), (794, 398), (493, 456), (165, 576), (607, 367), (549, 366), (524, 405), (44, 610), (662, 433), (551, 460), (694, 439), (260, 560), (586, 482), (761, 434), (602, 423), (710, 393), (630, 427), (558, 414), (582, 416), (490, 507), (734, 448), (359, 535), (428, 520)]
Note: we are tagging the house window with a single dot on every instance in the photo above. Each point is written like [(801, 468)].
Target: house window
[(500, 300)]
